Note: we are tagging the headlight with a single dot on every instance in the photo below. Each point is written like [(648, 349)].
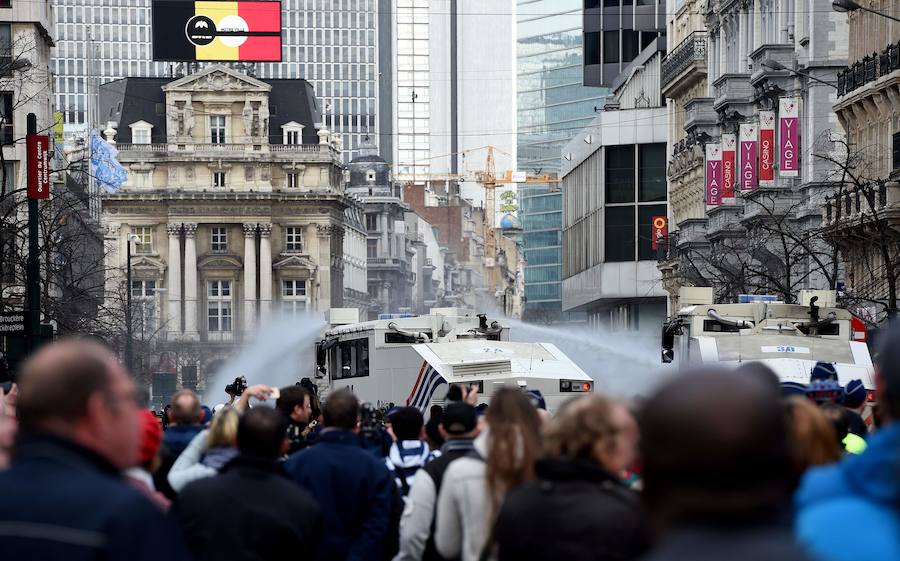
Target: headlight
[(575, 386)]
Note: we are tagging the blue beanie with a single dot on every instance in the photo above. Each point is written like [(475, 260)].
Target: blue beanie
[(823, 371), (855, 394), (824, 391)]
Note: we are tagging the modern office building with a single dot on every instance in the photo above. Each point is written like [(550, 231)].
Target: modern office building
[(331, 44), (552, 106), (615, 32), (613, 180), (450, 99)]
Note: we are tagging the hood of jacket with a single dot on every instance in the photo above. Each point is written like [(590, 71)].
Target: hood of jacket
[(409, 454), (218, 456), (876, 472)]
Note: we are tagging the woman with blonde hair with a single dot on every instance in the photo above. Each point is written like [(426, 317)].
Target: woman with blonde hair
[(578, 509), (474, 487), (208, 452)]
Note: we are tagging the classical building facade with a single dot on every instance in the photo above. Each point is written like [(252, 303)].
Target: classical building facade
[(745, 58), (863, 218), (389, 250), (234, 206)]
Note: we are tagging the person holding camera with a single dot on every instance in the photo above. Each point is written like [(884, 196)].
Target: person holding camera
[(296, 404)]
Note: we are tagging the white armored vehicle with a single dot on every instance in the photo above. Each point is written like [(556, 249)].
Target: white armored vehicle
[(788, 338), (411, 360)]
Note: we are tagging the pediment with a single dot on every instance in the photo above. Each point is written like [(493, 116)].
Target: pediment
[(296, 262), (147, 263), (217, 78), (220, 262)]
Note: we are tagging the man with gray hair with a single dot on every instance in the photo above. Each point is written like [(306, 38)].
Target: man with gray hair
[(64, 497)]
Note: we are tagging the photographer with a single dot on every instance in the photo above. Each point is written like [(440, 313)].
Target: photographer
[(296, 404)]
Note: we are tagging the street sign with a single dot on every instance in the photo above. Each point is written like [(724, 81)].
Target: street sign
[(660, 226), (38, 148), (12, 323)]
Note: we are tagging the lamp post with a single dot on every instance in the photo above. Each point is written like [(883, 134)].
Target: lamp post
[(775, 65), (852, 6), (128, 326)]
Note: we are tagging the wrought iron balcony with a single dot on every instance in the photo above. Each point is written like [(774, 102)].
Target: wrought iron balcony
[(869, 69), (688, 52)]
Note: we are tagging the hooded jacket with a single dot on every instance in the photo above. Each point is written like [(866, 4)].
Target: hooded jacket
[(595, 517), (851, 510), (406, 458)]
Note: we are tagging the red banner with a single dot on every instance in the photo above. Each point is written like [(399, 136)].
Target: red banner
[(766, 147), (660, 225), (38, 163), (729, 145)]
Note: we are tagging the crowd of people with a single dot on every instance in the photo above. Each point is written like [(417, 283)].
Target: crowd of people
[(714, 464)]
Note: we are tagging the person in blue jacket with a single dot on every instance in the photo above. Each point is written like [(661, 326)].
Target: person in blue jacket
[(65, 498), (353, 488), (859, 497)]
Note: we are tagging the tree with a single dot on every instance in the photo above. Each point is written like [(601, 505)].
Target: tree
[(863, 223)]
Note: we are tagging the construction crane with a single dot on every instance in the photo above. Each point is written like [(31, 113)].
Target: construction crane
[(488, 178)]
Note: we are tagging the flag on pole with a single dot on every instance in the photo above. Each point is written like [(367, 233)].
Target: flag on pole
[(107, 169)]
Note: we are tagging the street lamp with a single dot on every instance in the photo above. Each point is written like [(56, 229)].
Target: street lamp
[(851, 6), (775, 65), (131, 238)]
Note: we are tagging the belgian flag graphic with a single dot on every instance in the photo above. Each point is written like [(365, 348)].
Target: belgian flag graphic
[(247, 30)]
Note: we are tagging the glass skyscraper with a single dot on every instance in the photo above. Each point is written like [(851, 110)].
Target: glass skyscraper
[(553, 106), (330, 43)]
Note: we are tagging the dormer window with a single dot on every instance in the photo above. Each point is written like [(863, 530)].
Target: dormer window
[(292, 133), (140, 132), (370, 176)]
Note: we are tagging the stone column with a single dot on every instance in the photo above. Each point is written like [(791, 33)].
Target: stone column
[(249, 277), (174, 280), (190, 281), (265, 272), (323, 259)]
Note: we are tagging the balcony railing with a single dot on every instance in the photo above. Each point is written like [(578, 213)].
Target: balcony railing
[(230, 148), (856, 203), (869, 69), (689, 51)]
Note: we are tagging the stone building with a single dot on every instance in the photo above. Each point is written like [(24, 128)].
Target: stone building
[(234, 203), (863, 218), (389, 250), (743, 58)]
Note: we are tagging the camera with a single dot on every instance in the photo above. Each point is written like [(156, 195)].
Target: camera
[(237, 387)]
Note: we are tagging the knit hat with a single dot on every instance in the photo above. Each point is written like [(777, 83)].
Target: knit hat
[(823, 371), (855, 393), (151, 436), (824, 391)]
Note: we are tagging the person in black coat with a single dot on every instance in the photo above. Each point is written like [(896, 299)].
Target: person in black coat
[(577, 509), (64, 497), (251, 511), (717, 470)]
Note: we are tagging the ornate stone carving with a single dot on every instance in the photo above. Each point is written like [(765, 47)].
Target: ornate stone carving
[(249, 230), (265, 172), (174, 230), (249, 173), (324, 230), (113, 229), (190, 229), (189, 174), (247, 114), (265, 230)]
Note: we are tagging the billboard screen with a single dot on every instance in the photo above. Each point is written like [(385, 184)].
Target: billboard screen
[(243, 31)]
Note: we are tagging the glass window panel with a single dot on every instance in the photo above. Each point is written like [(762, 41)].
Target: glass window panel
[(611, 46), (652, 172), (619, 233), (620, 174)]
